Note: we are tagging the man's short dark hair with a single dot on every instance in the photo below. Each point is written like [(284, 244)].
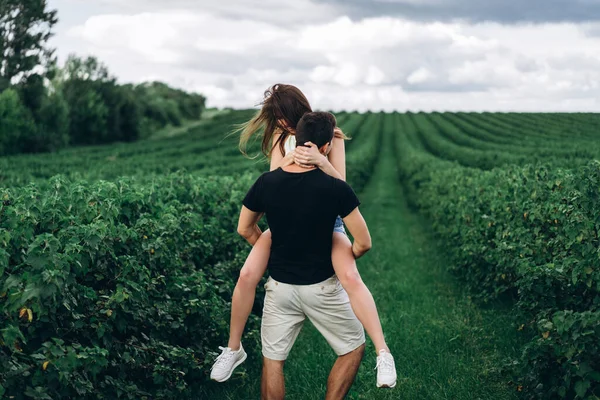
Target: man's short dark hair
[(315, 127)]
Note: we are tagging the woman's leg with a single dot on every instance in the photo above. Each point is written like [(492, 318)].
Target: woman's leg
[(245, 289), (361, 300)]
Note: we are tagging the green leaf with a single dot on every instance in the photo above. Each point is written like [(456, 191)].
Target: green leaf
[(595, 376), (11, 333), (37, 393), (581, 388), (588, 270)]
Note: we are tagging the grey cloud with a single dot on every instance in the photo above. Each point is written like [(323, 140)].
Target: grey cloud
[(399, 62), (302, 12), (225, 83), (443, 86), (314, 11), (272, 11), (574, 61), (236, 64), (526, 64), (502, 11), (234, 77), (592, 30)]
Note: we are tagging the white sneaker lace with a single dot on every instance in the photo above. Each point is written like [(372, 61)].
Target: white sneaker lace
[(386, 363), (223, 358)]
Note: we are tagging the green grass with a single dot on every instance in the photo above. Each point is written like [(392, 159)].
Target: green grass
[(446, 346)]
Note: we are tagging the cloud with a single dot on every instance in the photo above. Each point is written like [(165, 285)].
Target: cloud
[(275, 12), (341, 62), (301, 12), (503, 11), (195, 41), (148, 35), (592, 29), (375, 76), (421, 75), (389, 51)]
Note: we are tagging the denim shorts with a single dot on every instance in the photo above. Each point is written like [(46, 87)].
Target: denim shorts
[(339, 226)]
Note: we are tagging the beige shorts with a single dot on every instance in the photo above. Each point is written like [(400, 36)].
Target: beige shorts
[(327, 306)]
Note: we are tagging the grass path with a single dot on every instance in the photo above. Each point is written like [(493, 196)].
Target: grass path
[(446, 347)]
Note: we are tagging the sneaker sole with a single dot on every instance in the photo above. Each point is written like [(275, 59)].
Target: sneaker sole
[(385, 385), (232, 369)]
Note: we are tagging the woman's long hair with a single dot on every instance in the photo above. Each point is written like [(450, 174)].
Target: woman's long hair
[(281, 103)]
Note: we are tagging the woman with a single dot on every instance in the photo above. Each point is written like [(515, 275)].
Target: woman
[(282, 108)]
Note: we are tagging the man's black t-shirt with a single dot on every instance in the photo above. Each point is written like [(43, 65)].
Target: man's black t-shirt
[(301, 209)]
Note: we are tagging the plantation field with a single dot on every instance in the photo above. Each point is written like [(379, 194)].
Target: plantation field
[(117, 262)]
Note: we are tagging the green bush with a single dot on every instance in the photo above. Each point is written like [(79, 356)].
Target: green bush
[(53, 124), (162, 105), (88, 113), (361, 161), (82, 104), (124, 119), (530, 232), (16, 124), (117, 290)]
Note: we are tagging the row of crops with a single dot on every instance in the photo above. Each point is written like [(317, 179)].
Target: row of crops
[(516, 200), (116, 276), (207, 149)]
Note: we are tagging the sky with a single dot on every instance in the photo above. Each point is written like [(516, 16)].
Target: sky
[(417, 55)]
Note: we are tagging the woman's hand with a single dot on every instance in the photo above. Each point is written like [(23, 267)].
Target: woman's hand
[(309, 156), (288, 159)]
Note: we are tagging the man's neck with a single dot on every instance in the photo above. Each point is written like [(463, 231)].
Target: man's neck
[(297, 169)]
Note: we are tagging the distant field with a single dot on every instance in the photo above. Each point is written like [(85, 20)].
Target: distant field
[(476, 140)]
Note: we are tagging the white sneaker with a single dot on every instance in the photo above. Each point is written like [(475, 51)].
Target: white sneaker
[(227, 361), (386, 370)]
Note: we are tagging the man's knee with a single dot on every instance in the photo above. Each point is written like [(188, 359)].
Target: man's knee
[(273, 364), (356, 354), (272, 368), (359, 351), (273, 386)]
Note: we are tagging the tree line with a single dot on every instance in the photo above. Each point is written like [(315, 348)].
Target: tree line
[(45, 107)]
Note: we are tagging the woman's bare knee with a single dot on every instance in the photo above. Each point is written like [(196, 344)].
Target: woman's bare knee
[(256, 263), (351, 280), (249, 277)]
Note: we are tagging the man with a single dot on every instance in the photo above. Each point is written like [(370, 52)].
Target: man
[(301, 206)]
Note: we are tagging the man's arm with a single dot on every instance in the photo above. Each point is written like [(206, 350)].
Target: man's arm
[(248, 225), (358, 228)]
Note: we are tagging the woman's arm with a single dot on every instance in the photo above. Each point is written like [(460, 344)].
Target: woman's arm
[(334, 165), (277, 158), (248, 225), (337, 158)]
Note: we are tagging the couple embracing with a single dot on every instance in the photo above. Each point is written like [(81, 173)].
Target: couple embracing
[(310, 259)]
